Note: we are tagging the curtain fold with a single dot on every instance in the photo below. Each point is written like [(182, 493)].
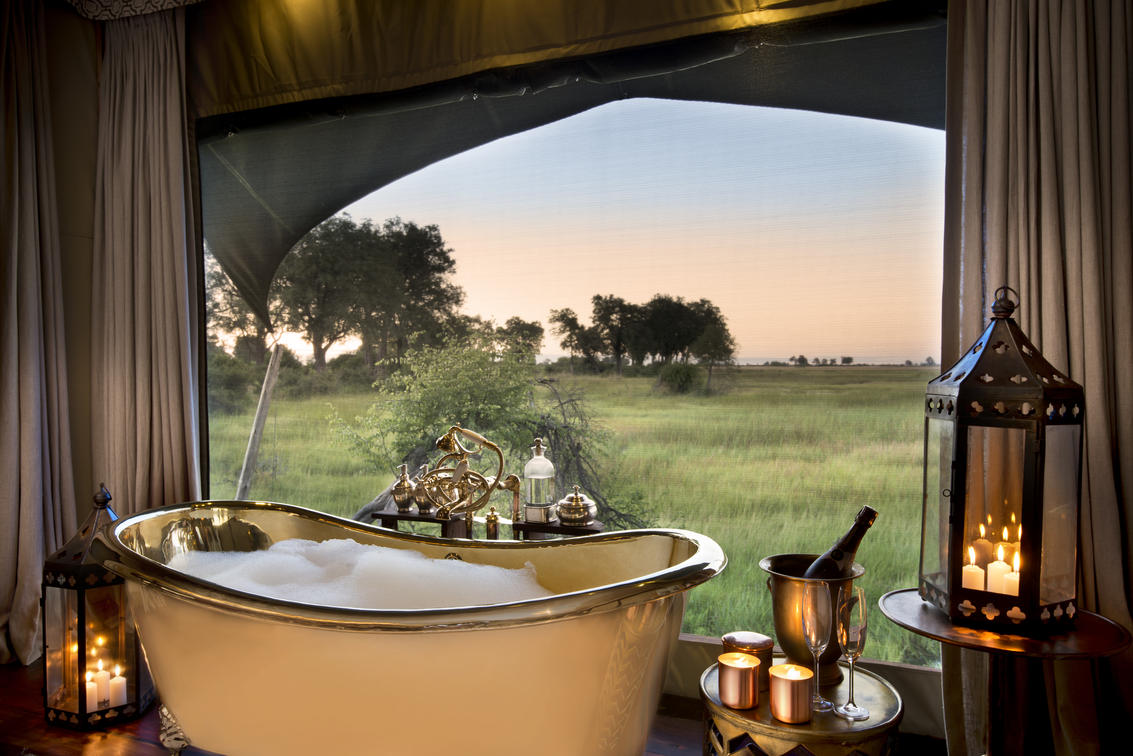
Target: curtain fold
[(37, 507), (144, 335), (1039, 186)]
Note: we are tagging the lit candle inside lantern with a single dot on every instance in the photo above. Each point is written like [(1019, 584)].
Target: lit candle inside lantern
[(1011, 579), (982, 547), (973, 576), (117, 688), (790, 693), (102, 680), (996, 572), (92, 692), (1006, 546), (737, 675)]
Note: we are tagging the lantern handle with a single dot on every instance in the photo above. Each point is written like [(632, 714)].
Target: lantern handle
[(1002, 307)]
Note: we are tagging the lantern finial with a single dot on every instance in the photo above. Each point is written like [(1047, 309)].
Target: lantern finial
[(103, 497), (1002, 307)]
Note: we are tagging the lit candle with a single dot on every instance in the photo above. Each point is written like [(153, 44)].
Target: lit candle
[(737, 675), (117, 688), (996, 572), (973, 576), (790, 693), (982, 547), (1011, 579), (102, 680), (1008, 548), (92, 693)]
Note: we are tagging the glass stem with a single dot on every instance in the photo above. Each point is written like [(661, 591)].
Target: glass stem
[(816, 685), (852, 681)]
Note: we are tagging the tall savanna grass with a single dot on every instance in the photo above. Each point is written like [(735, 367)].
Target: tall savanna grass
[(779, 461)]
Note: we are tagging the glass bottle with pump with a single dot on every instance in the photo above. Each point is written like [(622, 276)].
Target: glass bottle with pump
[(538, 485)]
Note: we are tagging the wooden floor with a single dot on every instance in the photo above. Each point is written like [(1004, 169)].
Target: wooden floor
[(23, 731)]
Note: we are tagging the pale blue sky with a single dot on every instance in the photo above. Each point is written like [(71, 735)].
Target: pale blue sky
[(814, 233)]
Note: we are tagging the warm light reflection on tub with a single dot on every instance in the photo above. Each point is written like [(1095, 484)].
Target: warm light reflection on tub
[(248, 675)]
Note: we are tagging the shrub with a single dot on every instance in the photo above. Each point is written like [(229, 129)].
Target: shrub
[(680, 377), (232, 383)]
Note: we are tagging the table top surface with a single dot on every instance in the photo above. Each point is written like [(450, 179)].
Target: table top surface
[(870, 691), (1093, 635)]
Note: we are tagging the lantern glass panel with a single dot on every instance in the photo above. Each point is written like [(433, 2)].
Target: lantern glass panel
[(993, 516), (937, 482), (105, 627), (1060, 514), (61, 672)]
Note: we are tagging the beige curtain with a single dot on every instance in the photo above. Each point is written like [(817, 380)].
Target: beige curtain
[(37, 507), (1040, 197), (144, 319)]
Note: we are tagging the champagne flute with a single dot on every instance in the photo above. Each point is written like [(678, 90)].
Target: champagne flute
[(816, 629), (851, 620)]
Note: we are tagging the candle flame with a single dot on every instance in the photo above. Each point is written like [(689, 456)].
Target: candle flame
[(100, 640), (794, 673), (971, 555), (1012, 517), (1005, 532), (983, 533), (100, 665), (999, 553), (118, 667), (89, 675), (989, 520), (1016, 560), (74, 648), (1020, 531)]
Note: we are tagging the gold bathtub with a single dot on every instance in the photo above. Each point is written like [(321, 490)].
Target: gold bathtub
[(578, 673)]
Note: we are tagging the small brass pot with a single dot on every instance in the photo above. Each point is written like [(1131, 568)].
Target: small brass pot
[(577, 509)]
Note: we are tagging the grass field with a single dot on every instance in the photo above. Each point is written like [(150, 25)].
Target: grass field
[(779, 462)]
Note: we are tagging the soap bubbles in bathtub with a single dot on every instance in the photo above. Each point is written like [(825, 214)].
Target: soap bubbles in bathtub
[(343, 572)]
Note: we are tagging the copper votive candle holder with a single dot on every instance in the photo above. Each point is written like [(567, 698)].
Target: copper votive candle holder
[(737, 676), (790, 693)]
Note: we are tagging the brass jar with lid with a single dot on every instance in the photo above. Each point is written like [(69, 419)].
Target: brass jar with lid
[(577, 509)]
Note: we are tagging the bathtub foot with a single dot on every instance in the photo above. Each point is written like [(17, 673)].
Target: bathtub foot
[(172, 737)]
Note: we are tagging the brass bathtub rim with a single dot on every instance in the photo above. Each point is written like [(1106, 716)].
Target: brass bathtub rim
[(707, 561)]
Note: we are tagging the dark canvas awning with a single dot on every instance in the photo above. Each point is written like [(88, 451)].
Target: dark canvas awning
[(270, 175)]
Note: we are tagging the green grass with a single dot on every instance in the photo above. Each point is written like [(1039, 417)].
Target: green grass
[(779, 462)]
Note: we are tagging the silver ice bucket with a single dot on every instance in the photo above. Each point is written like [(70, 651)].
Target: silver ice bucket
[(787, 585)]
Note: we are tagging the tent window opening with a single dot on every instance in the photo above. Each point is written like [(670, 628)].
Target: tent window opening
[(558, 243)]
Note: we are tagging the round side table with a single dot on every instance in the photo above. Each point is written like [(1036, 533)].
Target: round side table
[(1093, 636), (754, 731)]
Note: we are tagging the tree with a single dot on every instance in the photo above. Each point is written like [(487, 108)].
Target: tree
[(576, 338), (227, 312), (316, 287), (847, 360), (401, 286), (519, 335), (615, 321), (714, 345), (801, 360), (672, 326)]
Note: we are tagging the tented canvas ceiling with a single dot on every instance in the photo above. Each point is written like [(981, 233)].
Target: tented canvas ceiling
[(269, 175)]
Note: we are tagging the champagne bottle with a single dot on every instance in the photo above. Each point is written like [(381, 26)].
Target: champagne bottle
[(838, 561)]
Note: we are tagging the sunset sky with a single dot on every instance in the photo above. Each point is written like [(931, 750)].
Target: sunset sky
[(813, 233)]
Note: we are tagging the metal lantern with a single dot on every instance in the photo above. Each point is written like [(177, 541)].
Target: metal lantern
[(1003, 443), (94, 672)]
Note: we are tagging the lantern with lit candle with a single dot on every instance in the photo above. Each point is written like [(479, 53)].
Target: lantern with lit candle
[(94, 674), (1003, 441)]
